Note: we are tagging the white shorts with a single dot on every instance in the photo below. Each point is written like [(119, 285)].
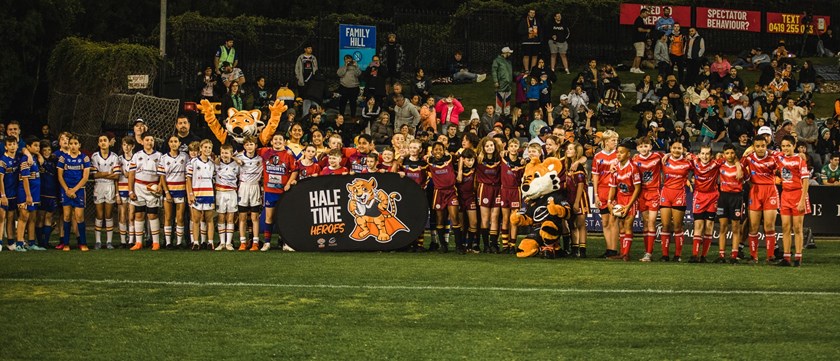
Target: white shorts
[(125, 200), (104, 193), (145, 198), (558, 48), (226, 202), (177, 200), (203, 206), (250, 195)]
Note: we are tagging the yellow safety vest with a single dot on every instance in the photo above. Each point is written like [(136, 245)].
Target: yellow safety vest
[(226, 56)]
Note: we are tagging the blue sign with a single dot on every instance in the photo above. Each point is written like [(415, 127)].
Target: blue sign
[(359, 41)]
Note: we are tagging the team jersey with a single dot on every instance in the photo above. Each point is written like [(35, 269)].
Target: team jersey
[(572, 179), (488, 172), (675, 172), (9, 168), (601, 164), (174, 170), (279, 166), (382, 167), (330, 171), (356, 160), (625, 178), (145, 167), (706, 175), (49, 178), (729, 181), (416, 171), (74, 168), (33, 175), (251, 169), (512, 172), (308, 171), (201, 179), (792, 169), (650, 168), (227, 175), (467, 185), (442, 173), (102, 164), (761, 169), (125, 166), (324, 162)]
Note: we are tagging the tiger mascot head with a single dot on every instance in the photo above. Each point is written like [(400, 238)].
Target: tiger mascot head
[(541, 178), (241, 124)]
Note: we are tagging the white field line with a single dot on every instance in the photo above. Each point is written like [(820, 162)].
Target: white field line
[(423, 288)]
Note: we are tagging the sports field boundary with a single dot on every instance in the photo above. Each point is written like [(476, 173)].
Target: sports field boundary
[(651, 291)]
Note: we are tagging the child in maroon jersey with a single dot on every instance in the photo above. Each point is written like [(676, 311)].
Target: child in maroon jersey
[(513, 168), (387, 162), (414, 167), (308, 165), (334, 167), (466, 197), (371, 163), (488, 180), (625, 188), (445, 198), (795, 177), (575, 181)]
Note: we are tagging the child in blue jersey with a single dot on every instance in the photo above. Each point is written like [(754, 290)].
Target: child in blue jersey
[(8, 193), (73, 173), (49, 194), (29, 194)]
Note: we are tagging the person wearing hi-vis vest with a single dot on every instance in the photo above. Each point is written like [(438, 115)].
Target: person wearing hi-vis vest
[(225, 53)]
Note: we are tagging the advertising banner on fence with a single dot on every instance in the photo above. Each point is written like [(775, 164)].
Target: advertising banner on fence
[(357, 40), (366, 212), (629, 13), (779, 23), (728, 19)]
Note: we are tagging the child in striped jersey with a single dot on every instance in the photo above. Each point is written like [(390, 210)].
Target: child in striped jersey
[(193, 151), (250, 196), (144, 191), (308, 164), (227, 176), (199, 178), (125, 208), (106, 168), (173, 166)]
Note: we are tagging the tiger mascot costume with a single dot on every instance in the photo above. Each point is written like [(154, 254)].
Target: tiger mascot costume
[(544, 208), (240, 124)]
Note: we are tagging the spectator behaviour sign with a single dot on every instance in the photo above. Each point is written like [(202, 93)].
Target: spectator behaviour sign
[(359, 41), (728, 19)]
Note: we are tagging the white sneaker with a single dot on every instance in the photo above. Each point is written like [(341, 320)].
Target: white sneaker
[(646, 258), (12, 247), (480, 78), (286, 248), (221, 247), (266, 246), (639, 71), (567, 71), (229, 247)]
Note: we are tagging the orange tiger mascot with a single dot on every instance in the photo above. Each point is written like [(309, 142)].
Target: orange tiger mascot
[(546, 208), (240, 124)]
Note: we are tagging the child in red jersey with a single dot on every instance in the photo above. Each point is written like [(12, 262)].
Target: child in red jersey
[(308, 165), (730, 209), (445, 199), (279, 173), (602, 165), (575, 181), (650, 167), (334, 167), (625, 188), (513, 168), (488, 180), (763, 197), (706, 173), (466, 198), (675, 168), (414, 167), (795, 177)]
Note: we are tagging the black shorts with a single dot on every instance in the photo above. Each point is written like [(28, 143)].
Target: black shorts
[(530, 49), (731, 206), (704, 216)]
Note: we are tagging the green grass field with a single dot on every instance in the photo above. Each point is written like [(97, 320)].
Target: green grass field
[(105, 305)]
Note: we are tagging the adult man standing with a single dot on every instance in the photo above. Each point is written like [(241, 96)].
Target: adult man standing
[(695, 48), (393, 59), (348, 85), (502, 72), (639, 37), (530, 32), (182, 131), (665, 24), (405, 113), (676, 51), (305, 68), (558, 42), (225, 53)]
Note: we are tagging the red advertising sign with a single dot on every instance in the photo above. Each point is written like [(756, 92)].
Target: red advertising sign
[(629, 13), (728, 19), (779, 23)]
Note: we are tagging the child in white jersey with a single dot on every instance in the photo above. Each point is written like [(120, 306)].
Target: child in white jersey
[(173, 166), (250, 193), (227, 177), (106, 168), (200, 171)]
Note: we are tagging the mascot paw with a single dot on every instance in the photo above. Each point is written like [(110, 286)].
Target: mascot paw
[(205, 107), (279, 107), (515, 218), (527, 248)]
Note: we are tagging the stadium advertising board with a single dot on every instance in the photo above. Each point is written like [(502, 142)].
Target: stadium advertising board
[(780, 23), (728, 19), (629, 13), (364, 212), (359, 41)]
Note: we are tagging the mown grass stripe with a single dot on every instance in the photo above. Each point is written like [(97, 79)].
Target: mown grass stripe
[(425, 287)]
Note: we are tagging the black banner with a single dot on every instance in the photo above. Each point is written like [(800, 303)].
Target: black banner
[(824, 215), (365, 212)]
